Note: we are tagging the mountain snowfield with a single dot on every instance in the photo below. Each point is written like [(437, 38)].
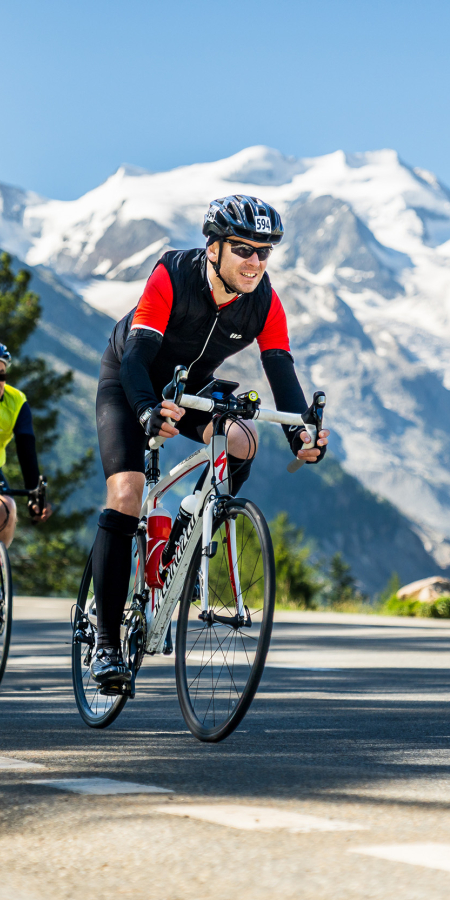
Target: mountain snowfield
[(364, 274)]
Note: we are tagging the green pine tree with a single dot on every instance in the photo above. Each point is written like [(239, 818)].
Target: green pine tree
[(342, 590), (47, 559), (298, 579), (390, 591)]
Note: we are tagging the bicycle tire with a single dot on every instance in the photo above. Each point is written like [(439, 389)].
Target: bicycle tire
[(96, 710), (211, 709), (6, 607)]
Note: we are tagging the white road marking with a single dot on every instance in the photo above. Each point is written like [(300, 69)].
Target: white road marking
[(363, 696), (390, 657), (40, 662), (280, 665), (100, 786), (436, 789), (6, 762), (239, 659), (153, 733), (258, 818), (432, 856)]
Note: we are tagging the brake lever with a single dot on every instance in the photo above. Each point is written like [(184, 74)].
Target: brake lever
[(176, 389), (37, 496), (313, 426)]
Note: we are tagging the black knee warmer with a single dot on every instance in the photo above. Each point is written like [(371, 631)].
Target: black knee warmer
[(239, 470), (111, 569), (112, 520)]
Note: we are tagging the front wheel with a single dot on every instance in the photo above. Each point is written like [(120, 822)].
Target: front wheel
[(99, 710), (6, 605), (220, 658)]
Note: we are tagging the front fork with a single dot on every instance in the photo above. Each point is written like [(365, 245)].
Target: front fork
[(209, 549)]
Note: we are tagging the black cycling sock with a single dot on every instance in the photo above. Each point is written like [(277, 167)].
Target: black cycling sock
[(239, 470), (111, 569)]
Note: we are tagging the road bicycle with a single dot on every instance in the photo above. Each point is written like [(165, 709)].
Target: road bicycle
[(6, 585), (217, 562)]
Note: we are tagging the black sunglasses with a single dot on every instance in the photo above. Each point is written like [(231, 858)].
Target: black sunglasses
[(245, 251)]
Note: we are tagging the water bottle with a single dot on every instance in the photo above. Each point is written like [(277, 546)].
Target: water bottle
[(187, 507), (159, 526)]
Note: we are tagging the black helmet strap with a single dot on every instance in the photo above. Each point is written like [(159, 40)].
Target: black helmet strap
[(216, 267)]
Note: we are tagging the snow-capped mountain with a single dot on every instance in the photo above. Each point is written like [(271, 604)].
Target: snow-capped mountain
[(364, 273)]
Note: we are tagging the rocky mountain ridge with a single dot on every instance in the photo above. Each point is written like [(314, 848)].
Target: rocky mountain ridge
[(364, 274)]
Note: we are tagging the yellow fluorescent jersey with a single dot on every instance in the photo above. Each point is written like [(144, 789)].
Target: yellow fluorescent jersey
[(10, 407)]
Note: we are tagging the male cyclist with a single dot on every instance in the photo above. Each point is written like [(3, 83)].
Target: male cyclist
[(198, 308), (15, 419)]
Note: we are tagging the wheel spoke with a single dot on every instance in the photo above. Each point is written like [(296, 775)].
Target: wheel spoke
[(215, 651), (225, 663), (98, 709)]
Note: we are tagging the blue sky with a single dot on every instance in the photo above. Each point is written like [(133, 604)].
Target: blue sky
[(89, 85)]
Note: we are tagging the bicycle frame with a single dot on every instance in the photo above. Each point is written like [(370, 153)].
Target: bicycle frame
[(162, 601), (160, 609)]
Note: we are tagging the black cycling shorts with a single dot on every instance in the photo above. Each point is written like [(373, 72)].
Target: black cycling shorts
[(121, 438)]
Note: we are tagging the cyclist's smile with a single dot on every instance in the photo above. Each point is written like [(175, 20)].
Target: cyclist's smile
[(243, 275)]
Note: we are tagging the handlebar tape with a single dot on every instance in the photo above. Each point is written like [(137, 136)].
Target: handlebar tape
[(204, 404)]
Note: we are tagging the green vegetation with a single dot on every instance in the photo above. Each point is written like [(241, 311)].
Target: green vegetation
[(305, 583), (390, 605), (341, 592), (390, 591), (299, 580), (47, 559), (436, 609)]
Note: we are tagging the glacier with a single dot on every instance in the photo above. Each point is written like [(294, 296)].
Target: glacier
[(364, 275)]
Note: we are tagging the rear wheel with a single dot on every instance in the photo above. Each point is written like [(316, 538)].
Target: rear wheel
[(220, 659), (6, 605), (96, 709)]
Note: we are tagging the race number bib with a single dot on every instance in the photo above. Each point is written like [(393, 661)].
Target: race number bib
[(263, 224)]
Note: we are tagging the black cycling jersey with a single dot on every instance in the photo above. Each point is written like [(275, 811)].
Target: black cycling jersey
[(140, 358), (199, 334)]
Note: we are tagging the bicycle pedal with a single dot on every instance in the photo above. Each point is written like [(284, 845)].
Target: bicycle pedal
[(113, 690)]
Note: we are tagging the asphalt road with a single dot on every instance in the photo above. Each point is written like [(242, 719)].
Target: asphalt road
[(336, 785)]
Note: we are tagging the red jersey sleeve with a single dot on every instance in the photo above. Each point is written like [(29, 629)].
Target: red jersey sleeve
[(274, 335), (155, 305)]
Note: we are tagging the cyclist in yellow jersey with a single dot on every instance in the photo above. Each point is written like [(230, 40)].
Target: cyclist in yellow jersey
[(15, 420)]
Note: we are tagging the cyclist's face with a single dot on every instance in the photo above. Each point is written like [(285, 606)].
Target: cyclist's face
[(2, 383), (243, 275)]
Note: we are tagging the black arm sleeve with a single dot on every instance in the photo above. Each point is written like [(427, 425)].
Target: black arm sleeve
[(26, 452), (26, 447), (287, 392), (141, 348)]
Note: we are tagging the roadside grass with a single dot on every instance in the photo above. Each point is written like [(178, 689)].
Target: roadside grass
[(437, 609), (319, 605)]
